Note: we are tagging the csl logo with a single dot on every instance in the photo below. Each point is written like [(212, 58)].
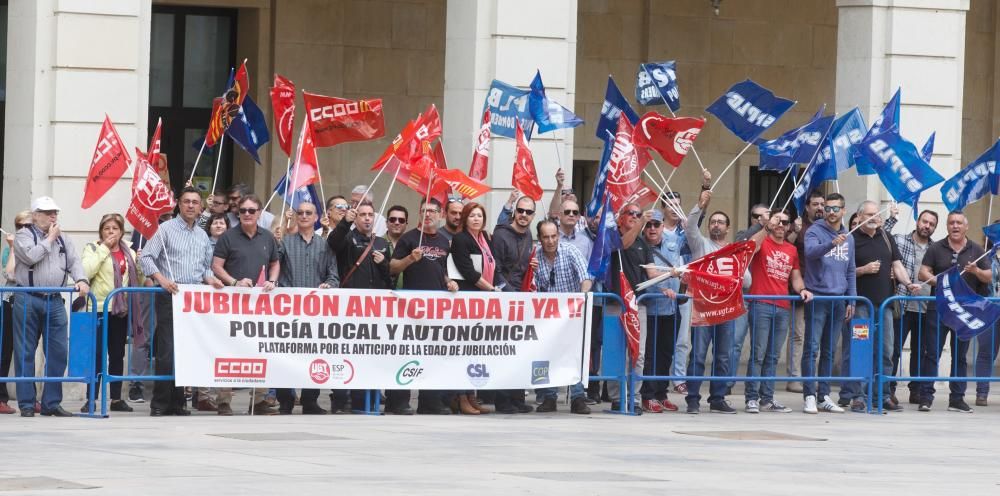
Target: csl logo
[(249, 368), (540, 372), (319, 371), (478, 375), (408, 373)]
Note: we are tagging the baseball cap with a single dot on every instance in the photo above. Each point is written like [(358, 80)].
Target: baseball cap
[(43, 203), (657, 216)]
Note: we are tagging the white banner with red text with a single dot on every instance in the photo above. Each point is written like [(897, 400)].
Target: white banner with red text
[(379, 339)]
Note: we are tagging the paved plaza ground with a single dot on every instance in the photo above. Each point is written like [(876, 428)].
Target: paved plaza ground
[(904, 453)]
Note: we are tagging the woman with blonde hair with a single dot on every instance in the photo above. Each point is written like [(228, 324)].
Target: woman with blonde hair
[(110, 264)]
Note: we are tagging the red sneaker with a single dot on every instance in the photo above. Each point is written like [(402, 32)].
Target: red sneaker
[(668, 406), (681, 388), (5, 408), (652, 406)]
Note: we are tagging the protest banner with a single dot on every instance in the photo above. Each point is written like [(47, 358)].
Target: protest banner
[(376, 339)]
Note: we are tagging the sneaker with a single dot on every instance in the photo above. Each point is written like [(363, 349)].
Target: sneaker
[(681, 388), (6, 409), (774, 407), (959, 406), (652, 406), (829, 406), (891, 407), (668, 406), (924, 407), (810, 405), (135, 395), (693, 409), (981, 400), (844, 402), (752, 407), (858, 405), (721, 406)]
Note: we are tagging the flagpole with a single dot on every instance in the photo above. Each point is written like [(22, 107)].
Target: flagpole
[(836, 183), (782, 185), (737, 157), (430, 183), (273, 194), (288, 174), (811, 160), (218, 160), (880, 212), (385, 201), (196, 159), (672, 114), (319, 175), (670, 205), (372, 183)]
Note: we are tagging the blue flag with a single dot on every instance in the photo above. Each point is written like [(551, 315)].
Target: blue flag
[(845, 132), (602, 177), (797, 146), (959, 308), (507, 103), (973, 182), (607, 241), (992, 232), (306, 193), (249, 128), (814, 174), (656, 84), (888, 119), (548, 114), (899, 166), (925, 153), (613, 106), (748, 109)]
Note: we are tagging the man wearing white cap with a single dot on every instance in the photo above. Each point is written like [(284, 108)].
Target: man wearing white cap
[(44, 259)]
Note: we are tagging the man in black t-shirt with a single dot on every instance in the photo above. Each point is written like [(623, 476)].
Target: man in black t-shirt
[(954, 250), (421, 255)]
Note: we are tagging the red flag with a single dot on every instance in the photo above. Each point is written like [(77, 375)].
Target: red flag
[(306, 170), (337, 120), (671, 138), (624, 167), (630, 318), (110, 161), (261, 278), (643, 196), (525, 179), (715, 283), (407, 144), (151, 198), (460, 183), (283, 103), (227, 107), (528, 282), (417, 176), (154, 144), (481, 156)]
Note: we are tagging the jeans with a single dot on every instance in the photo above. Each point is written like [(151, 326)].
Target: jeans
[(795, 344), (682, 343), (660, 331), (575, 391), (770, 328), (720, 336), (988, 343), (39, 318), (740, 327), (911, 324), (823, 319), (614, 386), (933, 340)]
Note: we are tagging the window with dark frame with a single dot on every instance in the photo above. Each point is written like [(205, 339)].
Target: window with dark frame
[(764, 186)]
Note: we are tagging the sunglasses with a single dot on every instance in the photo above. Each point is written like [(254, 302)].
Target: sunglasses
[(654, 224), (525, 211), (832, 209), (568, 191), (785, 222), (341, 207), (396, 220), (633, 213), (303, 213), (19, 226), (571, 212), (251, 211)]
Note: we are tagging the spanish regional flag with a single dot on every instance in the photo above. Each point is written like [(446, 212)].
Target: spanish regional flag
[(461, 183), (227, 107)]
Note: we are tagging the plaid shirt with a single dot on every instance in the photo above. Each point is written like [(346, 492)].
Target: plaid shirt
[(912, 258), (565, 274)]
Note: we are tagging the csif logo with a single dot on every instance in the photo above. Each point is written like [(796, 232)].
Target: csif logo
[(478, 375), (540, 372), (409, 372)]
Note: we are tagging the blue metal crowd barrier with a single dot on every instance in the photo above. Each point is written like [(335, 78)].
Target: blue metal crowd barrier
[(80, 340), (860, 351), (983, 349)]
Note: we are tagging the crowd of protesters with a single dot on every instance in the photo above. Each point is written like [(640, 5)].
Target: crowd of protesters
[(230, 240)]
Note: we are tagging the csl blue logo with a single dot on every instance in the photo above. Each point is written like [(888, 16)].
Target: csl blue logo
[(540, 372), (478, 375)]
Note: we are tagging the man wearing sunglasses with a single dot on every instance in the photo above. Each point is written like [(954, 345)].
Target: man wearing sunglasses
[(396, 221), (662, 317), (814, 212), (673, 234), (242, 255)]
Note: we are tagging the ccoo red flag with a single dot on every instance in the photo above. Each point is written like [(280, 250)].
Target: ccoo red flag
[(525, 179), (481, 157), (306, 168), (625, 166), (670, 137), (460, 183), (110, 161), (715, 283), (283, 103), (151, 198), (338, 120), (629, 318)]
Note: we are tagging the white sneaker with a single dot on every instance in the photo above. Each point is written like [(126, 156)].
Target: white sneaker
[(810, 405), (830, 406), (752, 407)]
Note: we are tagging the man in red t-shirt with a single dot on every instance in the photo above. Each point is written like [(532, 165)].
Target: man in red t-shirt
[(774, 265)]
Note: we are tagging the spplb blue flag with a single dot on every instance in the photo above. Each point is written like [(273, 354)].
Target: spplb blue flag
[(888, 119), (796, 146), (656, 84), (508, 104), (613, 106), (845, 132), (599, 184), (249, 128), (548, 114), (748, 109), (925, 153), (992, 232), (607, 241), (814, 174), (973, 182), (899, 166), (964, 311)]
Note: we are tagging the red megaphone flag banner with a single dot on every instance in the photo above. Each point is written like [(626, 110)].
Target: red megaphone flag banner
[(624, 181), (525, 179), (481, 156), (670, 137), (153, 153), (715, 283), (109, 163), (283, 103)]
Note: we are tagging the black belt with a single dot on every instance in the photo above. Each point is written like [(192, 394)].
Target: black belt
[(45, 295)]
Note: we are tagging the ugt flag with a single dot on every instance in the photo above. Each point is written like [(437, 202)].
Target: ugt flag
[(481, 155), (715, 283), (151, 198), (888, 119), (508, 104), (966, 312), (548, 114), (671, 138), (613, 107), (629, 318), (283, 105), (797, 146), (338, 120), (153, 152), (898, 164), (656, 84), (748, 109), (845, 132), (110, 161), (624, 167), (974, 181)]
